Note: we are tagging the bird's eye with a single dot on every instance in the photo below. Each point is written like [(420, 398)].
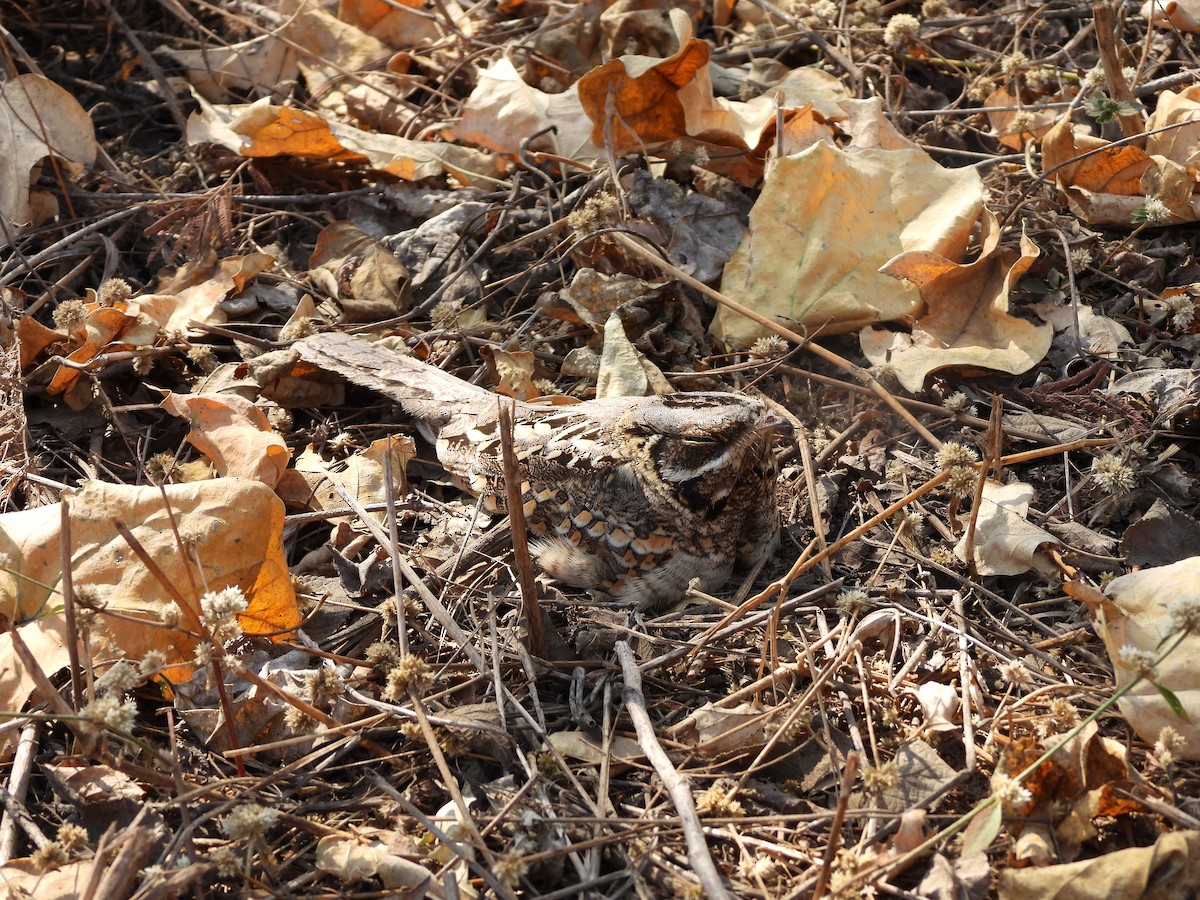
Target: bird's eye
[(699, 441)]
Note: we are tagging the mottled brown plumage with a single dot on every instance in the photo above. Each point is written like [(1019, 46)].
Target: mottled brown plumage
[(628, 497)]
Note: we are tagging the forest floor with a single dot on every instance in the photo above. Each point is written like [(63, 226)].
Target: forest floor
[(260, 643)]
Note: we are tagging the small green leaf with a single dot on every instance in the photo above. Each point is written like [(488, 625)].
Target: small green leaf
[(1172, 700), (982, 830), (1104, 109)]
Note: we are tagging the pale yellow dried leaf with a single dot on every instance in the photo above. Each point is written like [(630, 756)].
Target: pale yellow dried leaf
[(515, 371), (717, 730), (1006, 542), (311, 482), (38, 119), (581, 747), (869, 127), (825, 223), (1100, 335), (97, 784), (46, 638), (1180, 113), (1135, 614), (369, 853), (748, 122), (260, 67), (1168, 869), (624, 370), (503, 112), (329, 50), (23, 878), (234, 527)]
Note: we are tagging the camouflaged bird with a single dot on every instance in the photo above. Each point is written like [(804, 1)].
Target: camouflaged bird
[(627, 497)]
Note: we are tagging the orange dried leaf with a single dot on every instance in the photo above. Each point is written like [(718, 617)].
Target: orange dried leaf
[(197, 291), (34, 338), (1037, 122), (399, 23), (635, 99), (260, 129), (966, 321), (233, 433)]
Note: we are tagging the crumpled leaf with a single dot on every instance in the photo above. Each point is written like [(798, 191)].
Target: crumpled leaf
[(329, 51), (1169, 868), (1161, 536), (588, 749), (259, 713), (260, 67), (197, 290), (38, 119), (966, 321), (923, 774), (514, 371), (825, 223), (715, 731), (964, 878), (805, 101), (94, 784), (503, 112), (1135, 611), (46, 638), (1006, 542), (365, 278), (260, 129), (1179, 114), (1084, 778), (1107, 187), (1082, 326), (234, 528), (311, 483), (634, 101), (939, 704), (233, 433), (374, 851), (595, 296)]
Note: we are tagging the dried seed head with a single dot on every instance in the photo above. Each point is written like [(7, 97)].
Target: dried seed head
[(953, 454), (70, 315)]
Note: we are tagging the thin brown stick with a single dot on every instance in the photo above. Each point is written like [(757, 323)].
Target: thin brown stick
[(1110, 58), (835, 827), (531, 608)]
